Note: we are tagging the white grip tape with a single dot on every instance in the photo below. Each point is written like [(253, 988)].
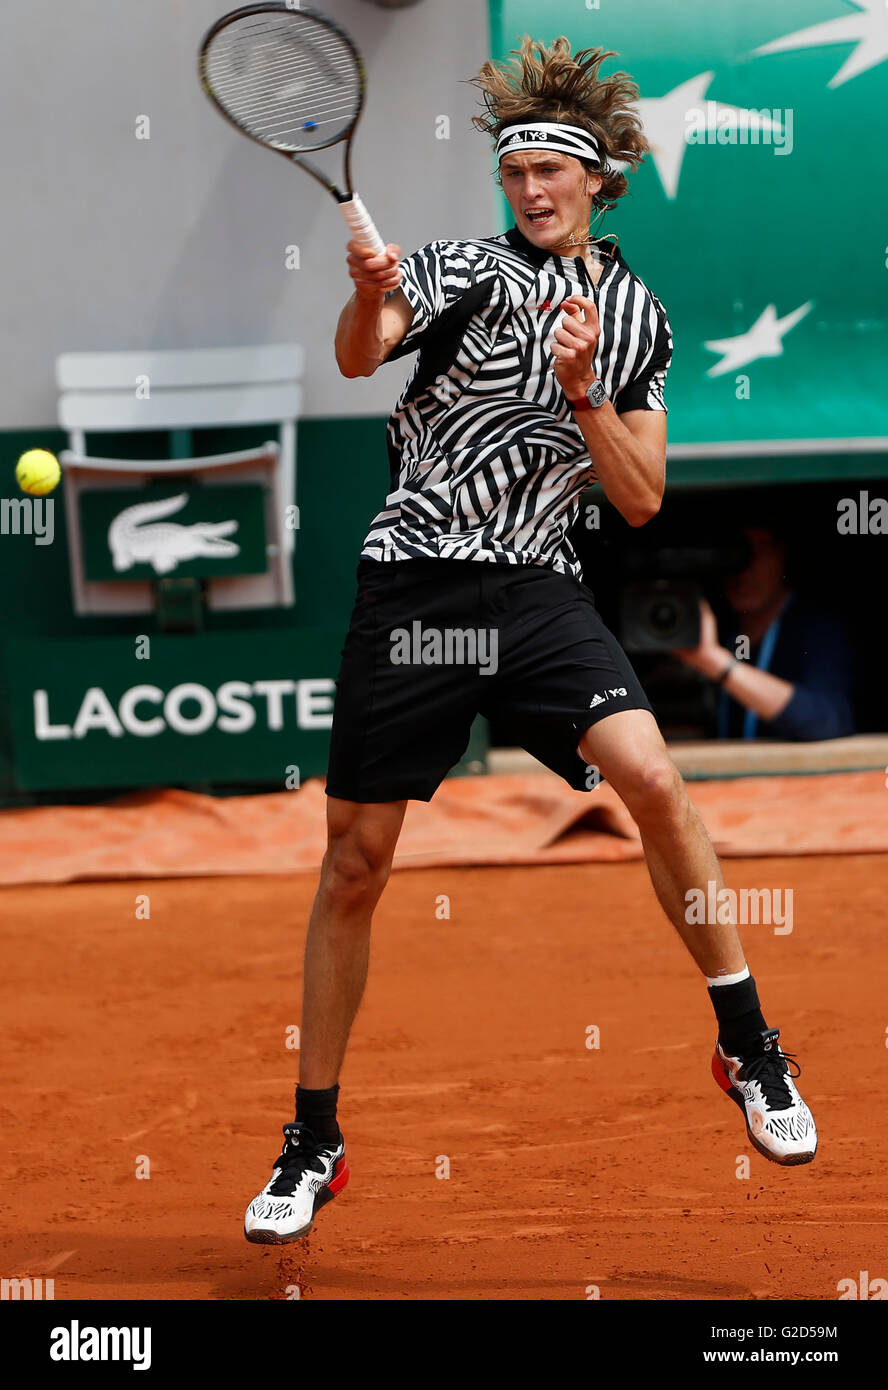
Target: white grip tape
[(361, 223)]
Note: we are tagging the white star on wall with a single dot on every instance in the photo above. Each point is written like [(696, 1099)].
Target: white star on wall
[(763, 339), (667, 124), (867, 28)]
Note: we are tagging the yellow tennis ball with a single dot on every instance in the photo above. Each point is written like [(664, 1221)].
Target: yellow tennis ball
[(37, 472)]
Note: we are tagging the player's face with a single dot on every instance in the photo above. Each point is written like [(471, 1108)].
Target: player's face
[(550, 195)]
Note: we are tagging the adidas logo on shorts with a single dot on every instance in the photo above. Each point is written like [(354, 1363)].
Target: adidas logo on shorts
[(600, 699)]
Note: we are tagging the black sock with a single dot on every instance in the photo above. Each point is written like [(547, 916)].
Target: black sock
[(739, 1014), (317, 1110)]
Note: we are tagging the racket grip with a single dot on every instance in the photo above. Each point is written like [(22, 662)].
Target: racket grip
[(361, 223)]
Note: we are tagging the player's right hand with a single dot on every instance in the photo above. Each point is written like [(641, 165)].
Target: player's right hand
[(375, 273)]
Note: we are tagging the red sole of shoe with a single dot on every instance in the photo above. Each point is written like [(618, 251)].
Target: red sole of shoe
[(340, 1177), (721, 1076)]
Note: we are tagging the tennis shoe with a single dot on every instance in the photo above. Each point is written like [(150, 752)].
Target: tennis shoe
[(307, 1174), (778, 1121)]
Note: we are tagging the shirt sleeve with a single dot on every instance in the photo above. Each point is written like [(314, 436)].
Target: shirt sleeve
[(433, 278), (646, 391), (814, 715), (822, 668)]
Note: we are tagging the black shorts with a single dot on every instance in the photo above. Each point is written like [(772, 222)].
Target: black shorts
[(433, 643)]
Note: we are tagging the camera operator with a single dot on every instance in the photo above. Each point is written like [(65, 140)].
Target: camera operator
[(793, 678)]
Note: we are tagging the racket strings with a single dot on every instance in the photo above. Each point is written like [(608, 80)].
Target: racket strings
[(287, 82), (287, 111), (304, 61)]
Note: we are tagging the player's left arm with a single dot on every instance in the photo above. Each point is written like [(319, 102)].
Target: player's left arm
[(632, 471), (629, 449)]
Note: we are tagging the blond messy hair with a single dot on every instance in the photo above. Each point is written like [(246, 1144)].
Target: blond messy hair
[(548, 84)]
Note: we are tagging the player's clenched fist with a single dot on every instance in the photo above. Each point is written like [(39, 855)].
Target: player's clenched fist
[(374, 273), (574, 345)]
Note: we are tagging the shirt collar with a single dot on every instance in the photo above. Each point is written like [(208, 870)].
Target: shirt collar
[(520, 242)]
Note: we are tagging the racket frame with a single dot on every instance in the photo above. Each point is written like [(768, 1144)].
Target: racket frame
[(353, 209)]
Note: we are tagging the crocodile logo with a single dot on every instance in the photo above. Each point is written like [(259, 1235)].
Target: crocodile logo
[(137, 536)]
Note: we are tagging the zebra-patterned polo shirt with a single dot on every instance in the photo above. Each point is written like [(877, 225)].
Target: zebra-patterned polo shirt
[(487, 461)]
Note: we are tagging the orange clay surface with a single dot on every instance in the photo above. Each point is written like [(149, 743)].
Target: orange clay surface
[(164, 1039)]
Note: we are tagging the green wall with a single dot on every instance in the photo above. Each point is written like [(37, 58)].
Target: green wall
[(342, 479), (730, 233)]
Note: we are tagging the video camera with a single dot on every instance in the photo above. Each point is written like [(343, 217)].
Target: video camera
[(662, 588)]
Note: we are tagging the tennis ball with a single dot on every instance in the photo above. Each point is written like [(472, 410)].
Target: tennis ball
[(37, 472)]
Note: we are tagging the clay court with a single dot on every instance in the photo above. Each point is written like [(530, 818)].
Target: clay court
[(569, 1167)]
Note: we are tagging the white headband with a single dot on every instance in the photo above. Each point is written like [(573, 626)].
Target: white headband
[(549, 135)]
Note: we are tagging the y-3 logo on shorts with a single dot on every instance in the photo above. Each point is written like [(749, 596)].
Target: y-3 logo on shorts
[(600, 699)]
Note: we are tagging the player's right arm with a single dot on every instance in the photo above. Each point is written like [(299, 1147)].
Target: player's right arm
[(371, 325)]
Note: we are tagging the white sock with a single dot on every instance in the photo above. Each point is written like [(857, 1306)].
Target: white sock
[(729, 979)]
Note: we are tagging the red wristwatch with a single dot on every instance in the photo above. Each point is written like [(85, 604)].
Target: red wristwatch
[(594, 397)]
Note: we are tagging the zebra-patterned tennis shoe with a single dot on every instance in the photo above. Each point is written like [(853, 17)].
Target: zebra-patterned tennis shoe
[(778, 1121), (307, 1175)]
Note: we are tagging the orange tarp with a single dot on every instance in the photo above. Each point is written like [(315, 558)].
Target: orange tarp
[(524, 819)]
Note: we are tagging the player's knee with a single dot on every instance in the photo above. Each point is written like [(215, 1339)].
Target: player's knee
[(656, 789), (356, 868)]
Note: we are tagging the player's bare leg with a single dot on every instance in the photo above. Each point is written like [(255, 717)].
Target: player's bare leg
[(361, 842), (748, 1065), (629, 751), (312, 1168)]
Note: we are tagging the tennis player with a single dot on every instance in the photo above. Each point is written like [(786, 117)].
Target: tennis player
[(541, 369)]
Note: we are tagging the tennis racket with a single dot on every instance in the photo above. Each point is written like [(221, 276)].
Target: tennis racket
[(293, 81)]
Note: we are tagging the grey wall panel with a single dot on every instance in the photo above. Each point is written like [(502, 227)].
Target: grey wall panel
[(111, 242)]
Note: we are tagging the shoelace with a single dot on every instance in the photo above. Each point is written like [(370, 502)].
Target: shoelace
[(300, 1152), (770, 1071)]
